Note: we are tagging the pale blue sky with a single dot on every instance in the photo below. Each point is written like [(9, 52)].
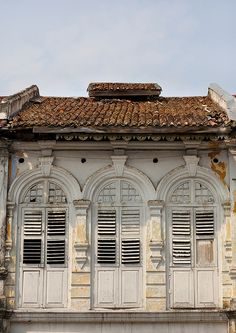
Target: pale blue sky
[(62, 45)]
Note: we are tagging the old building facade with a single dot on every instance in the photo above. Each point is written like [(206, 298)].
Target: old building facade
[(118, 211)]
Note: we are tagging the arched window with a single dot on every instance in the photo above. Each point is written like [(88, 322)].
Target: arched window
[(118, 246), (43, 246), (193, 245)]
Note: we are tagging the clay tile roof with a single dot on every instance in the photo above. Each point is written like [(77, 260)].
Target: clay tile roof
[(120, 114)]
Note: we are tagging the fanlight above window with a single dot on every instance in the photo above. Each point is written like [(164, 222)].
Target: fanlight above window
[(192, 191), (119, 190), (45, 192)]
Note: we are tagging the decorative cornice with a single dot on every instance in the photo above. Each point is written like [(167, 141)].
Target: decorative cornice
[(81, 204), (190, 141)]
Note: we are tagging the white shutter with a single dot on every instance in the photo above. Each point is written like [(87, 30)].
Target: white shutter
[(130, 251), (106, 274), (181, 238), (32, 277), (55, 270), (106, 242), (130, 221), (206, 272), (131, 270), (181, 271), (32, 242), (56, 230), (204, 223)]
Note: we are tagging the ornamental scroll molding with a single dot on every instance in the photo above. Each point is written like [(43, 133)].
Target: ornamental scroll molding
[(156, 243), (81, 244)]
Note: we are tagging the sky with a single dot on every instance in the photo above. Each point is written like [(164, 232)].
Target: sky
[(63, 45)]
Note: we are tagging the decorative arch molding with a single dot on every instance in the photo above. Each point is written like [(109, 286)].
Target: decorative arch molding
[(62, 177), (138, 178), (219, 190)]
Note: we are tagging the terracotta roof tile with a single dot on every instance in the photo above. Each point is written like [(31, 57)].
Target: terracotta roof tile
[(114, 113)]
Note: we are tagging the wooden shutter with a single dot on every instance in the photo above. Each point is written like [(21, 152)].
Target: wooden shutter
[(55, 271), (182, 293), (106, 276), (31, 277), (32, 243), (56, 231), (181, 237), (206, 272), (204, 223), (106, 242), (130, 251), (130, 262)]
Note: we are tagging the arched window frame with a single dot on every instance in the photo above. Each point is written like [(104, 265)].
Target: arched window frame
[(17, 192), (220, 193)]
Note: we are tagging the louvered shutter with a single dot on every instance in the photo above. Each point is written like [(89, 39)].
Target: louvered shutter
[(181, 237), (31, 278), (204, 223), (55, 270), (131, 270), (130, 236), (106, 241), (206, 274), (56, 231), (182, 294), (106, 278), (32, 244)]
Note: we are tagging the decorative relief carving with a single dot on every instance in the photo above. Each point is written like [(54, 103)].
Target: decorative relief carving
[(46, 165), (119, 164), (191, 164)]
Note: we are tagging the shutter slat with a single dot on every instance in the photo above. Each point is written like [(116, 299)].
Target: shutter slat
[(204, 223), (106, 222), (32, 251), (55, 252), (106, 251), (32, 223), (130, 221), (181, 237), (56, 224), (130, 251)]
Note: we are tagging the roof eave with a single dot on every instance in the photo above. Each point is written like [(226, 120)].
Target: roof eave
[(121, 130)]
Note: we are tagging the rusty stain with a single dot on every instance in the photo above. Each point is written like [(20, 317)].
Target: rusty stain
[(213, 153), (226, 304), (234, 209), (8, 231), (220, 169)]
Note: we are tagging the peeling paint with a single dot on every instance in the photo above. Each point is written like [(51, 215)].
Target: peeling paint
[(234, 194), (218, 167), (214, 153)]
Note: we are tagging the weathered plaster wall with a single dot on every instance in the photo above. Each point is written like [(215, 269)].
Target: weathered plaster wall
[(156, 287)]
